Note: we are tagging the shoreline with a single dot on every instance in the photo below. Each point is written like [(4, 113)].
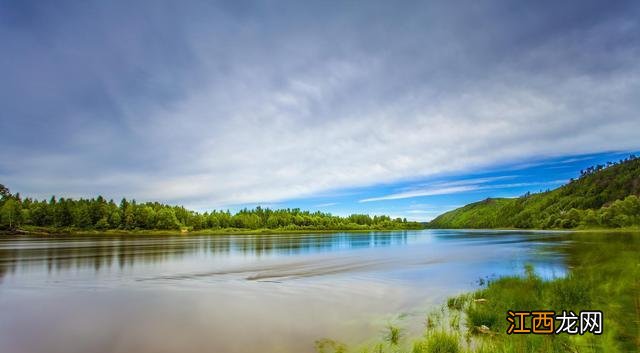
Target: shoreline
[(224, 231), (557, 230), (43, 231)]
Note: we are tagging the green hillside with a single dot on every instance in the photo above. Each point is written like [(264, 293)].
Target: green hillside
[(604, 196)]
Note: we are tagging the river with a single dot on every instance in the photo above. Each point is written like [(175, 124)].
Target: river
[(228, 294)]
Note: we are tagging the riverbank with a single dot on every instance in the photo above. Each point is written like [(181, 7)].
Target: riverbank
[(605, 278), (29, 230), (220, 231), (572, 230)]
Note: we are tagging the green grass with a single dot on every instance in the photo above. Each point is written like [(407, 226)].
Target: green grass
[(393, 335), (438, 342), (604, 275)]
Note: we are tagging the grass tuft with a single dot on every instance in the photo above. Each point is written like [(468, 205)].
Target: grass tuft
[(438, 342)]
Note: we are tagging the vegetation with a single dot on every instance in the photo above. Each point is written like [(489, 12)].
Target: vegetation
[(98, 214), (605, 277), (604, 196)]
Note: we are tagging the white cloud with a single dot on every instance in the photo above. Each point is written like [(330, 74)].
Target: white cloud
[(270, 111), (326, 204), (456, 187), (425, 192)]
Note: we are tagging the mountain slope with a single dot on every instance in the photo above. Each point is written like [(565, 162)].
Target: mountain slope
[(603, 196)]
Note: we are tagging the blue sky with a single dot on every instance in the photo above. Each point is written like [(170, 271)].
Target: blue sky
[(413, 107), (422, 200)]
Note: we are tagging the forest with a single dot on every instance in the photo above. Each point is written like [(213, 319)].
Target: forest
[(99, 214), (603, 196)]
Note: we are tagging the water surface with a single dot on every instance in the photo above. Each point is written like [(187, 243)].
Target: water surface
[(272, 293)]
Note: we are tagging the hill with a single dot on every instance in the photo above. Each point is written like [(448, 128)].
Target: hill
[(604, 196)]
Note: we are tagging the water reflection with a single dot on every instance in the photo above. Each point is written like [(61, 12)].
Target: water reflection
[(64, 253), (270, 293)]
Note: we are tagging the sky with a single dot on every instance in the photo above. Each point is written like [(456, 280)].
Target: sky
[(402, 108)]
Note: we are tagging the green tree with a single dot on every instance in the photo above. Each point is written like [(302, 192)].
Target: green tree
[(64, 217), (25, 216), (145, 217), (96, 212), (40, 214), (102, 224), (81, 216), (129, 221), (166, 219), (10, 213), (115, 220)]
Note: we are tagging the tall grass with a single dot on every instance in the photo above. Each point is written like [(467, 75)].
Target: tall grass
[(605, 275), (438, 342)]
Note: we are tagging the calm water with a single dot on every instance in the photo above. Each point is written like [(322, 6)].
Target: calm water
[(275, 293)]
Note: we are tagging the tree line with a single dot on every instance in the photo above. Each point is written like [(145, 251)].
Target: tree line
[(100, 214), (604, 196)]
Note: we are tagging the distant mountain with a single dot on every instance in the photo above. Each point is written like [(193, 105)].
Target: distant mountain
[(604, 196)]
